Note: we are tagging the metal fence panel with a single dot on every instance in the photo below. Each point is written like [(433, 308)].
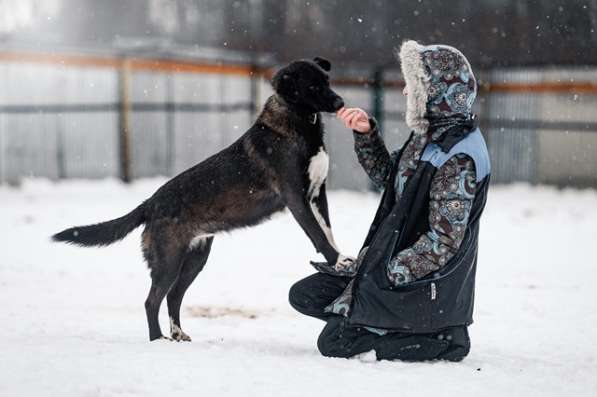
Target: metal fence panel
[(29, 146), (60, 121), (511, 149), (149, 129), (198, 135), (543, 137), (345, 171), (568, 156), (90, 145), (51, 125), (236, 92)]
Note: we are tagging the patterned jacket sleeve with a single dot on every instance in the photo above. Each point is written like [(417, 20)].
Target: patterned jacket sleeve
[(451, 197), (373, 155)]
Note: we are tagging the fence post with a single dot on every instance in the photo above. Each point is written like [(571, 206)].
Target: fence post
[(170, 132), (254, 99), (377, 104), (124, 153), (60, 158), (484, 99)]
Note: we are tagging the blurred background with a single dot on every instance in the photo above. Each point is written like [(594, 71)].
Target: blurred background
[(133, 89)]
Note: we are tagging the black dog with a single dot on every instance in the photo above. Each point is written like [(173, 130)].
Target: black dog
[(279, 162)]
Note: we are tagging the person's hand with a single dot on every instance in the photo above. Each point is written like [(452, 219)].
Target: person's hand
[(355, 118)]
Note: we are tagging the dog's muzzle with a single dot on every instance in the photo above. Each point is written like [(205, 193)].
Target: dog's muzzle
[(338, 103)]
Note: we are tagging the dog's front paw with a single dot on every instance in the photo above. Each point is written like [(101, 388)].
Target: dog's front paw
[(346, 264), (180, 336)]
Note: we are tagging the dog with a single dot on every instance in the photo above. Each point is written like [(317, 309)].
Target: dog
[(280, 162)]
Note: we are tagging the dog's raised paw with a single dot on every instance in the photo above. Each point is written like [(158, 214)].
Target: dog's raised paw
[(345, 263)]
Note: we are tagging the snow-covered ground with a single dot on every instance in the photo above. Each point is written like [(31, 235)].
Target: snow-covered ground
[(73, 323)]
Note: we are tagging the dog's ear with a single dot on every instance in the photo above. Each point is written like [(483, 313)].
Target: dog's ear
[(323, 63), (283, 83)]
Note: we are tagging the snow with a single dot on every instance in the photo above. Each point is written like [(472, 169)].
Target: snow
[(73, 321)]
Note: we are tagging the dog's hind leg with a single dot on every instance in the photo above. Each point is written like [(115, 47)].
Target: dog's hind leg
[(192, 264), (164, 256), (161, 282)]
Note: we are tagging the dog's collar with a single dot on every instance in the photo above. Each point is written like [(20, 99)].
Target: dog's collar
[(313, 118)]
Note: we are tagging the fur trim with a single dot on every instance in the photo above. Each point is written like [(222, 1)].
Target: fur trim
[(417, 85)]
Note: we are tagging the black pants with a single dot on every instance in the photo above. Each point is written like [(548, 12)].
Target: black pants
[(311, 295)]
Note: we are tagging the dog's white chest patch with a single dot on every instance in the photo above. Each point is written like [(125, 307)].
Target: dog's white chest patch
[(318, 171)]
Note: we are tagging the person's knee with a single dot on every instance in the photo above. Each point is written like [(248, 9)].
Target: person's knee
[(298, 298), (311, 295)]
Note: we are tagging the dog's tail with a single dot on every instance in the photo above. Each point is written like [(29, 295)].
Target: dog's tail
[(104, 233)]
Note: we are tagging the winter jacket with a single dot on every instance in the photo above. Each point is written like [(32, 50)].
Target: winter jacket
[(423, 240)]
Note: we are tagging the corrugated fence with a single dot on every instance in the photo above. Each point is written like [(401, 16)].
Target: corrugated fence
[(81, 117)]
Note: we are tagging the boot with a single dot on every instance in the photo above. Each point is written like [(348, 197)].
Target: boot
[(340, 340), (452, 344)]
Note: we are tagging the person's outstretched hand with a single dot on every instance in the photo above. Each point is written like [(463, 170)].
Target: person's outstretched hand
[(356, 119)]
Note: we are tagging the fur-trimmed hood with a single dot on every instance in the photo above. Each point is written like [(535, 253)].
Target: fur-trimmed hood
[(439, 82)]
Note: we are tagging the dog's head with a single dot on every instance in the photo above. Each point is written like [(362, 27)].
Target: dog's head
[(306, 84)]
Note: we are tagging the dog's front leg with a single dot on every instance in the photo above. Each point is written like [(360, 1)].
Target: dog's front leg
[(302, 212), (318, 203)]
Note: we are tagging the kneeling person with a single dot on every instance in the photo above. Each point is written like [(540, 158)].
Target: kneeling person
[(409, 294)]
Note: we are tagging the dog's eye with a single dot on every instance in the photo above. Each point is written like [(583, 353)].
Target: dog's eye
[(313, 88)]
